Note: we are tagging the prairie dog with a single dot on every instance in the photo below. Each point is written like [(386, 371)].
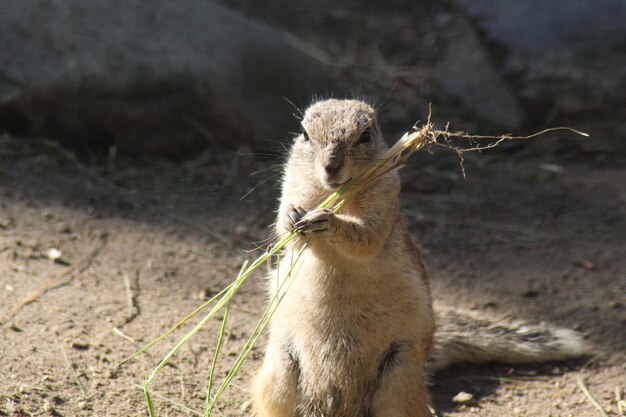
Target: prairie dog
[(352, 335)]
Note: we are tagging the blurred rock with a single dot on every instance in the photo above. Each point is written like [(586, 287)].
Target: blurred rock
[(148, 77), (466, 72), (566, 57), (464, 398)]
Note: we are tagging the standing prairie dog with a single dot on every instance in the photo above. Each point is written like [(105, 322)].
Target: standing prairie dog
[(353, 333)]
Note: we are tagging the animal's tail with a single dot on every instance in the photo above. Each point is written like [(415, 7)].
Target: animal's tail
[(463, 336)]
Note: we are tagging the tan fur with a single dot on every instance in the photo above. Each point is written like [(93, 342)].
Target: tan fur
[(352, 334)]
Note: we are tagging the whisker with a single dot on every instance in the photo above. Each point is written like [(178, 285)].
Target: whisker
[(258, 185)]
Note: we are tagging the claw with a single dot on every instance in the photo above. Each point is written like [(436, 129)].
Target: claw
[(294, 215), (316, 221)]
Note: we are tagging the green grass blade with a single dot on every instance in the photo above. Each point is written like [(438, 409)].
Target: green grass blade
[(256, 333), (219, 342), (146, 394)]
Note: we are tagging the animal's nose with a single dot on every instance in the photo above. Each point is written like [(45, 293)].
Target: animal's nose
[(332, 169)]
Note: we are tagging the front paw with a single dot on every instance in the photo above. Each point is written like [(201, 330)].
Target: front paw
[(316, 221), (292, 217)]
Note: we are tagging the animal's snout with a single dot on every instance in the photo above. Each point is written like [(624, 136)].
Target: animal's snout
[(332, 169), (332, 164)]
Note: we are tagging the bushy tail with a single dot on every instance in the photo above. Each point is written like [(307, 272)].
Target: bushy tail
[(463, 336)]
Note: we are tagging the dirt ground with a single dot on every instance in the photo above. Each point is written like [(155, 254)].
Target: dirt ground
[(532, 231)]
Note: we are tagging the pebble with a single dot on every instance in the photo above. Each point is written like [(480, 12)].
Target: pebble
[(246, 406), (463, 398), (53, 254), (80, 345)]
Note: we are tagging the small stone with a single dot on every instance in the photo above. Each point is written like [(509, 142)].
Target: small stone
[(84, 405), (464, 398), (246, 406), (80, 345), (53, 254)]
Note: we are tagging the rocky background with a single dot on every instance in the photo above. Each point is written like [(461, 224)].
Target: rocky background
[(170, 78)]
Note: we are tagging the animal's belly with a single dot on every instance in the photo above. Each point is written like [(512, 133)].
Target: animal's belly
[(337, 375)]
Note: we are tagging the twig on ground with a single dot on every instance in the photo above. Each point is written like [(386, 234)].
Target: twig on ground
[(591, 398), (58, 281), (131, 299), (124, 336), (129, 339), (434, 413), (621, 404)]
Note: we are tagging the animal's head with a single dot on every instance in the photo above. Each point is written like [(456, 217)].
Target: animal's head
[(340, 140)]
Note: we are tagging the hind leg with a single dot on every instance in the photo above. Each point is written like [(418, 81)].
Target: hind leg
[(401, 391), (275, 388)]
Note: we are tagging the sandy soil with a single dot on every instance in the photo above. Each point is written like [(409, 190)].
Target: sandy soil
[(535, 235)]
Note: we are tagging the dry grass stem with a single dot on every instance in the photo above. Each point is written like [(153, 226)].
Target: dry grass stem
[(591, 398), (621, 404), (123, 335)]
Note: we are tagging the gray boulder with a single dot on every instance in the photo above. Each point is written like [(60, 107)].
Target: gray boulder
[(148, 77), (466, 71), (566, 57)]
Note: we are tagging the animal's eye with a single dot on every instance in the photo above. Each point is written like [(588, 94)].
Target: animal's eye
[(365, 137)]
